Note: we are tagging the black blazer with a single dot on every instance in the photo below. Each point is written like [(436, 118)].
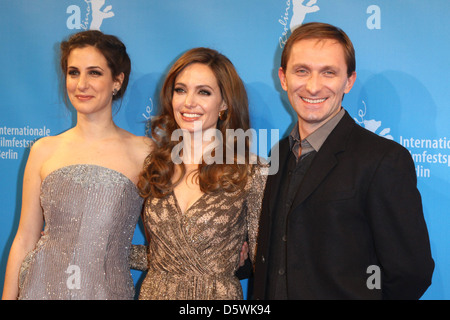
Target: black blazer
[(358, 206)]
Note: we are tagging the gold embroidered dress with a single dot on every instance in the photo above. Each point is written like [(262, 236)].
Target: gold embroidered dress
[(195, 255)]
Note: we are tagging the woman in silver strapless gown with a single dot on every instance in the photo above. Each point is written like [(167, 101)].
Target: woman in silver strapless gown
[(81, 185), (90, 213)]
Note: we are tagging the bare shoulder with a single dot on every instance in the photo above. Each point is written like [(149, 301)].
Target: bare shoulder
[(44, 147), (139, 142), (40, 152), (143, 146), (145, 142), (139, 146)]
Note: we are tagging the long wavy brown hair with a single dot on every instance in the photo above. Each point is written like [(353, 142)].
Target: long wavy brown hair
[(156, 179)]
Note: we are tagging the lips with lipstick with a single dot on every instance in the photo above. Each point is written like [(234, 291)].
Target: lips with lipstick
[(83, 97), (190, 116)]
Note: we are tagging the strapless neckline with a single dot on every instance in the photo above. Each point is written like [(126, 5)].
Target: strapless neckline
[(87, 165)]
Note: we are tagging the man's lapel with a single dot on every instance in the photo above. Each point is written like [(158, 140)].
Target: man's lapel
[(325, 160)]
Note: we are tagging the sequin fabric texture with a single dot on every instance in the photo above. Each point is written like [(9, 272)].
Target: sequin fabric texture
[(194, 255), (90, 215)]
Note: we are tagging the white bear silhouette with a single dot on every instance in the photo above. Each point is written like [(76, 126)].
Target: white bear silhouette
[(97, 15), (300, 11)]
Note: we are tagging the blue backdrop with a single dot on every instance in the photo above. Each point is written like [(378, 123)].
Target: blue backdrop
[(402, 90)]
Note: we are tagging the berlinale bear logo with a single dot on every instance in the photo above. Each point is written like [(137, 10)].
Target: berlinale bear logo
[(93, 18), (373, 125)]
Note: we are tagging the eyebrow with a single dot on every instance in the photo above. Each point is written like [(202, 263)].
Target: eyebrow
[(322, 68), (200, 86), (88, 68)]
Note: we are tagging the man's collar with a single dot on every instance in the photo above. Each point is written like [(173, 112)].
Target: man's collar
[(318, 137)]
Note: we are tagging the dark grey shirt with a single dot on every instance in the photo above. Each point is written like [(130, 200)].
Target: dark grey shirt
[(316, 139)]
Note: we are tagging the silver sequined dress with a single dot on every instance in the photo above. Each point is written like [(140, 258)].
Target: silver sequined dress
[(195, 255), (90, 215)]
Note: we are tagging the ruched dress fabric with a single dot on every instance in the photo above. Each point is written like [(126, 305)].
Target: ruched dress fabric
[(194, 255), (90, 216)]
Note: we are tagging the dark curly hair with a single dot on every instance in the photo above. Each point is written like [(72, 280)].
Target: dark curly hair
[(110, 46)]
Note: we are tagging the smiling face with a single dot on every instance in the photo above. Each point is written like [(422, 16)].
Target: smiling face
[(89, 81), (316, 80), (197, 97)]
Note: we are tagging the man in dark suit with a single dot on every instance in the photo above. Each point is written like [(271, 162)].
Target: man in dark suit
[(342, 218)]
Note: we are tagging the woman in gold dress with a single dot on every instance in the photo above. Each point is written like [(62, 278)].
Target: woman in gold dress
[(200, 206)]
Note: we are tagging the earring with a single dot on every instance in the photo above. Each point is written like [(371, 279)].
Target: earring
[(222, 115), (114, 92)]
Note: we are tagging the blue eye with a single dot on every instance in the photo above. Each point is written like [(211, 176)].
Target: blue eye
[(329, 73)]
